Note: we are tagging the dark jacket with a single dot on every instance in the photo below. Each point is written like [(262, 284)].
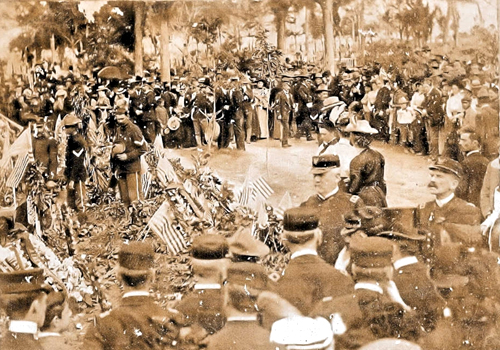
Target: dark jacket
[(487, 126), (367, 169), (75, 158), (474, 166), (433, 104), (283, 106), (308, 279), (45, 152), (130, 135), (331, 213), (138, 323)]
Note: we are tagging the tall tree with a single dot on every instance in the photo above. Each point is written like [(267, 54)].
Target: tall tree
[(138, 28), (280, 10)]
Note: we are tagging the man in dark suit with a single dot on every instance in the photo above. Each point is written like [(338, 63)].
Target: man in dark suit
[(237, 102), (487, 124), (474, 165), (433, 115), (303, 97), (23, 298), (138, 323), (330, 205), (283, 109), (307, 279), (449, 219)]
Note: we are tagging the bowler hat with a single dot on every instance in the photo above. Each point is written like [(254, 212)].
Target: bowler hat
[(324, 163), (137, 256), (209, 246), (447, 165), (298, 224)]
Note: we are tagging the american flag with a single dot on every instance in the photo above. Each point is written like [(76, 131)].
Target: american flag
[(261, 187), (17, 173), (146, 183), (161, 224), (245, 194)]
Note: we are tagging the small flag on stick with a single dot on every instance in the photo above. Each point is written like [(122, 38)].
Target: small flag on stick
[(161, 225), (165, 171)]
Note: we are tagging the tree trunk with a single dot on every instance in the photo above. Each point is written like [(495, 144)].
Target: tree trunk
[(306, 35), (446, 29), (281, 29), (164, 47), (327, 8), (139, 11), (361, 25)]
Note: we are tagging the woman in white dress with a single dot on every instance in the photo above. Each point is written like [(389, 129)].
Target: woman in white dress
[(261, 95)]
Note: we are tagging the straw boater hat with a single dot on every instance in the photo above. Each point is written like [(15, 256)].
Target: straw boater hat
[(174, 123)]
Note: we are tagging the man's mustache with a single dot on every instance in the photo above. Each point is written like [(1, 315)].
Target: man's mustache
[(431, 185)]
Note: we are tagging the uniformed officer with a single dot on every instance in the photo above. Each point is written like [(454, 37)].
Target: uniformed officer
[(242, 331), (307, 278), (138, 322), (448, 218), (23, 298), (128, 146), (45, 150), (203, 308), (75, 172), (330, 204)]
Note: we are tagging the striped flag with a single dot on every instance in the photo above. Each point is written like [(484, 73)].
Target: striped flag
[(285, 203), (161, 224), (158, 146), (17, 173), (261, 187), (245, 194)]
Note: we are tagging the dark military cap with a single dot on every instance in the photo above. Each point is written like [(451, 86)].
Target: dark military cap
[(324, 162), (251, 276), (371, 251), (300, 219), (209, 246), (447, 165), (136, 256), (22, 281)]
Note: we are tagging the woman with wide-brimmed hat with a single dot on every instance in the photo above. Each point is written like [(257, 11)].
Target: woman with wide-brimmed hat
[(261, 95), (367, 168)]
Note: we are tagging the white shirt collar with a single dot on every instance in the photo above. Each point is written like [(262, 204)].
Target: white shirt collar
[(407, 260), (369, 286), (48, 334), (242, 318), (303, 252), (442, 202), (26, 327), (471, 152), (334, 192), (138, 293), (207, 286), (344, 141)]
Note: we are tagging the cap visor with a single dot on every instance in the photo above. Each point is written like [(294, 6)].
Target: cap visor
[(318, 171)]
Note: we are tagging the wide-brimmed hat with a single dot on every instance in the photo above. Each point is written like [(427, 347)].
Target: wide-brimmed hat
[(61, 92), (71, 120), (332, 101), (362, 127), (174, 123)]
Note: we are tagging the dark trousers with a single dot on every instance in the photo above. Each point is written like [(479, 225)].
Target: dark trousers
[(76, 196), (149, 130), (130, 186), (432, 135), (285, 122), (239, 132), (304, 124)]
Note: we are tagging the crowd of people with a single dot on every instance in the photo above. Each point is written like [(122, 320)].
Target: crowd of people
[(360, 275)]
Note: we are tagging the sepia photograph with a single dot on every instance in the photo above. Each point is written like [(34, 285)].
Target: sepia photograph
[(249, 175)]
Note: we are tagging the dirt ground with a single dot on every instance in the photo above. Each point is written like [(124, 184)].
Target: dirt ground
[(287, 169)]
